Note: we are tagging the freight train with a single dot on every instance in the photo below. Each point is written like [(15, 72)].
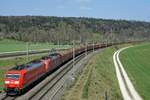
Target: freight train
[(21, 76)]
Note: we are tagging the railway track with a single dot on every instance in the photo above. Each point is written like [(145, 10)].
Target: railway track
[(41, 95), (49, 84), (3, 96)]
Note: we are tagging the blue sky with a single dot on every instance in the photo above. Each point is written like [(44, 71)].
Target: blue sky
[(107, 9)]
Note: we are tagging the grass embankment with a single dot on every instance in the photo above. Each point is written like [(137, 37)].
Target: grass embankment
[(12, 45), (97, 80), (136, 61)]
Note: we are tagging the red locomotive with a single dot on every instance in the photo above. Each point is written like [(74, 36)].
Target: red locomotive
[(21, 76)]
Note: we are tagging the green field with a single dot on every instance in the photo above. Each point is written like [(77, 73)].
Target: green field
[(136, 61), (97, 80), (12, 45)]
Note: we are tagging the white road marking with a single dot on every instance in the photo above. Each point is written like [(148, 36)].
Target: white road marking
[(127, 89)]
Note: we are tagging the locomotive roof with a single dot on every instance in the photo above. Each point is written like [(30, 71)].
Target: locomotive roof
[(54, 54), (51, 56), (25, 66), (34, 62), (19, 67)]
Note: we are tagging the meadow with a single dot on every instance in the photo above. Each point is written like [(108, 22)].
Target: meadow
[(13, 45), (136, 61)]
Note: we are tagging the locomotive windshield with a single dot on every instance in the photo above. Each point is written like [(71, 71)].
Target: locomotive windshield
[(12, 76)]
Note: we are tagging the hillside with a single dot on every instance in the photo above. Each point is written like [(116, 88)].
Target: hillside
[(66, 29)]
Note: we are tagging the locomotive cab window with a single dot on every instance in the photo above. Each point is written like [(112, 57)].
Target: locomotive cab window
[(53, 55), (13, 76)]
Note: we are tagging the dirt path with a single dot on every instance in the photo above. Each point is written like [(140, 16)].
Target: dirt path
[(127, 89)]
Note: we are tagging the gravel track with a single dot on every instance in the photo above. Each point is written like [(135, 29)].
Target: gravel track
[(127, 89)]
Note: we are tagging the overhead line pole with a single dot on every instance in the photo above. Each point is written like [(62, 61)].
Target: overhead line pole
[(27, 47), (86, 49), (73, 53), (93, 46), (58, 44)]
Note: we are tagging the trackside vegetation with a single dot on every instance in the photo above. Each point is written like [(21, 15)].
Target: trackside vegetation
[(98, 79), (136, 61)]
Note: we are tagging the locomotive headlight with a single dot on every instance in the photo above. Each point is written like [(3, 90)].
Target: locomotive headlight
[(7, 82), (16, 82)]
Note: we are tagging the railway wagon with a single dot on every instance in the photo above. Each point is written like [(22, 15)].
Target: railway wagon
[(21, 76)]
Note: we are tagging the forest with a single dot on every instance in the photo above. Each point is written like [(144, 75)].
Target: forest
[(64, 30)]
